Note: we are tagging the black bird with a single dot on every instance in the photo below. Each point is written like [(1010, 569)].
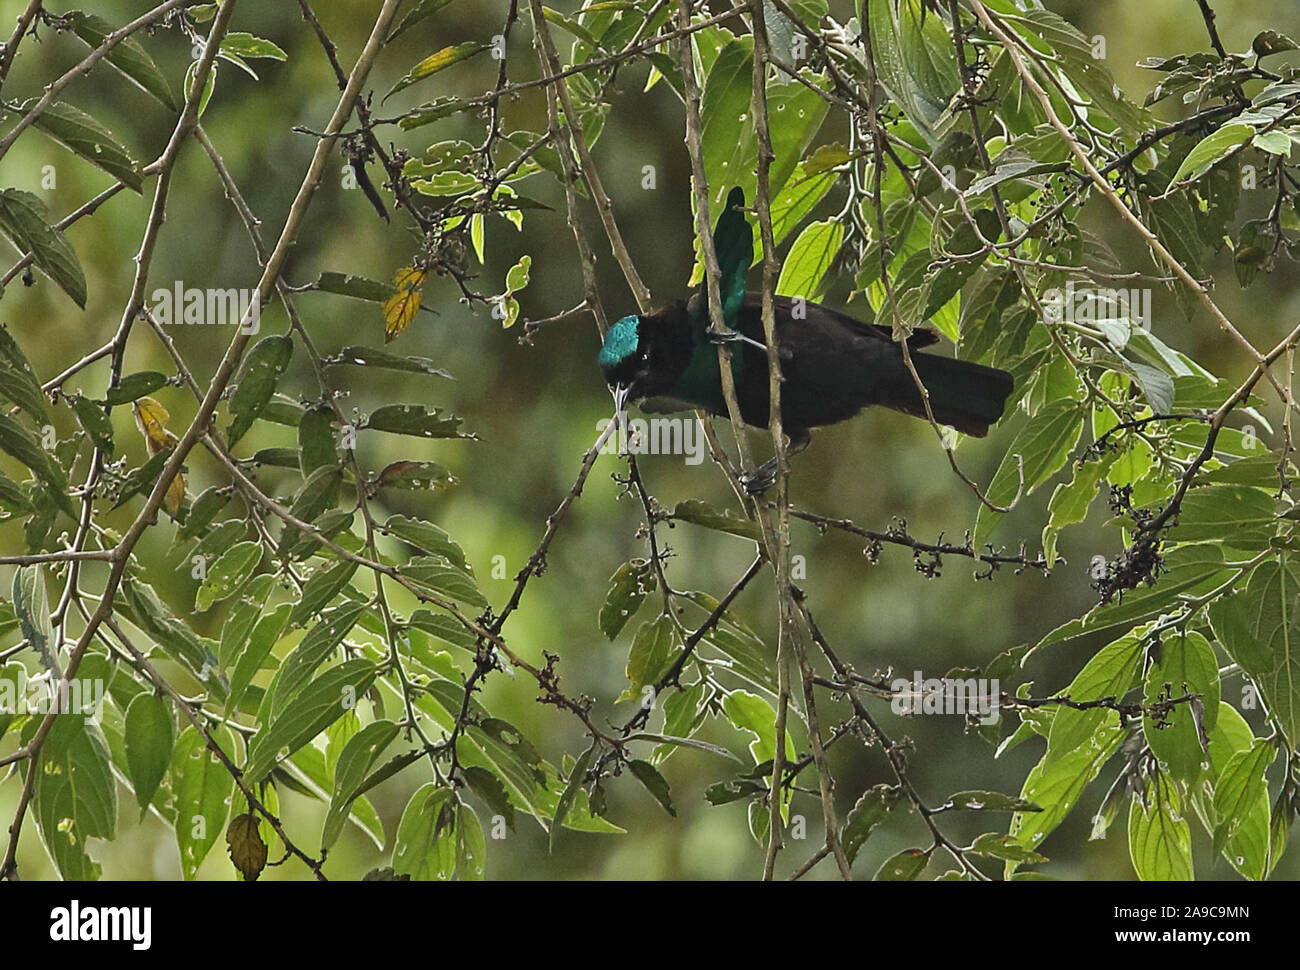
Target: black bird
[(834, 365)]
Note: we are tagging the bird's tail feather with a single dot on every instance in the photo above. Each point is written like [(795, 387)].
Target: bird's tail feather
[(967, 396)]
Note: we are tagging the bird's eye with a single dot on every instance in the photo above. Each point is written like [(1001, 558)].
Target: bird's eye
[(645, 356)]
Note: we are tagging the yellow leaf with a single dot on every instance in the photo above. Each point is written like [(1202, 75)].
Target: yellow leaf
[(175, 495), (151, 418), (401, 307)]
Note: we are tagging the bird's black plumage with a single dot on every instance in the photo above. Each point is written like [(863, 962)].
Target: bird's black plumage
[(833, 365)]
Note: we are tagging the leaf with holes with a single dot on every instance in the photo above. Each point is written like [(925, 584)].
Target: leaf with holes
[(23, 221), (268, 359)]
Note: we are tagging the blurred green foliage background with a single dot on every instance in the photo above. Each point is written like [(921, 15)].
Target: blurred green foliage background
[(535, 409)]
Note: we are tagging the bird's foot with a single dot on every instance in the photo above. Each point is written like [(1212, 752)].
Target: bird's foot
[(729, 336), (760, 479), (764, 476), (723, 336)]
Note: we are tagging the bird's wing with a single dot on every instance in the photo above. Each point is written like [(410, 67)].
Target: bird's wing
[(785, 307)]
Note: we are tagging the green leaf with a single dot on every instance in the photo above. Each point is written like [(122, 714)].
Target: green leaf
[(23, 221), (706, 515), (903, 867), (1043, 445), (446, 628), (242, 44), (804, 273), (869, 811), (1211, 150), (319, 591), (1063, 42), (471, 847), (12, 499), (1186, 664), (991, 801), (261, 372), (797, 198), (203, 511), (140, 481), (748, 656), (1271, 42), (427, 537), (414, 476), (729, 141), (316, 440), (94, 420), (355, 761), (1111, 673), (1070, 502), (513, 760), (150, 733), (421, 11), (751, 713), (412, 419), (1056, 786), (1239, 789), (1258, 629), (915, 60), (436, 575), (1008, 170), (228, 574), (357, 287), (32, 609), (654, 783), (383, 360), (1248, 848), (667, 742), (628, 588), (650, 655), (254, 651), (321, 641), (17, 379), (209, 86), (135, 386), (13, 678), (1159, 838), (314, 496), (490, 788), (140, 605), (318, 705), (74, 795), (314, 764), (1240, 517), (683, 715), (82, 135), (1005, 847), (203, 788), (432, 111), (241, 619), (425, 848), (576, 778), (981, 323), (128, 56), (518, 275), (964, 246), (826, 157), (18, 442), (436, 62)]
